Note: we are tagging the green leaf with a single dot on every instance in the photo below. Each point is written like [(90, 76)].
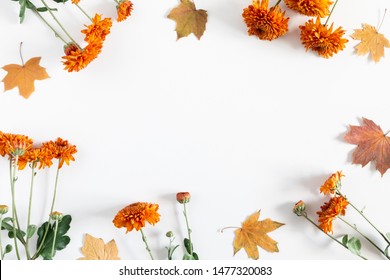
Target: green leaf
[(6, 220), (19, 233), (387, 251), (188, 257), (188, 245), (22, 11), (345, 240), (61, 239), (31, 230), (60, 1), (388, 235), (195, 255), (354, 245), (8, 249)]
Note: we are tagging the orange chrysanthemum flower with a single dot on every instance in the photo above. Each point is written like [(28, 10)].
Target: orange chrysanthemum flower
[(61, 150), (332, 183), (135, 215), (75, 1), (77, 59), (124, 9), (266, 24), (329, 211), (43, 156), (98, 29), (14, 144), (319, 38), (312, 8)]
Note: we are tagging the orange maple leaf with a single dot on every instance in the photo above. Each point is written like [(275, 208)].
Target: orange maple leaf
[(95, 249), (188, 19), (23, 76), (371, 42), (372, 145), (253, 233)]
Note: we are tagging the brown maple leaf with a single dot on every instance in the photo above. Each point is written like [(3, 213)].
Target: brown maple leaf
[(372, 145), (188, 19), (253, 233), (23, 76), (372, 42), (95, 249)]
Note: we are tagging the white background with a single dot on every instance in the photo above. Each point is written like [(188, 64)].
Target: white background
[(241, 124)]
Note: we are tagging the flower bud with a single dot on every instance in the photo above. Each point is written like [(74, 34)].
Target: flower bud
[(169, 234), (56, 216), (3, 209), (299, 208), (183, 197)]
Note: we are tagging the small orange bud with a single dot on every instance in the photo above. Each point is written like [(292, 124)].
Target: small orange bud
[(299, 208), (183, 197)]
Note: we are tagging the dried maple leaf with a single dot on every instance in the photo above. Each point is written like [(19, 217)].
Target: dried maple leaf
[(371, 42), (23, 76), (372, 145), (188, 19), (95, 249), (253, 233)]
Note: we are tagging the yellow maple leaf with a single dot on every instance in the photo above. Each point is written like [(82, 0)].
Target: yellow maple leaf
[(23, 76), (95, 249), (188, 19), (253, 233), (372, 42)]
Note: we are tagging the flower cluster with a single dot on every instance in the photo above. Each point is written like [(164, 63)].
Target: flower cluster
[(21, 152), (270, 23), (77, 57), (136, 215), (335, 208)]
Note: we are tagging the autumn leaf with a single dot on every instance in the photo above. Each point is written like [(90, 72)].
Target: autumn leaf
[(24, 76), (95, 249), (253, 233), (372, 145), (371, 42), (188, 19)]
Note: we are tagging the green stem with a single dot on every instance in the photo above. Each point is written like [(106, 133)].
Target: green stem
[(277, 3), (188, 228), (54, 239), (146, 244), (330, 236), (1, 245), (55, 187), (57, 21), (82, 10), (14, 213), (51, 210), (52, 29), (364, 236), (331, 11), (29, 207), (367, 220)]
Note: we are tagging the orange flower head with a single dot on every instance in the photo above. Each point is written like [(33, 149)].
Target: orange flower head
[(329, 211), (266, 24), (299, 208), (332, 183), (319, 38), (311, 8), (75, 1), (14, 144), (61, 150), (134, 216), (124, 9), (98, 29), (183, 197), (42, 155), (77, 59)]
